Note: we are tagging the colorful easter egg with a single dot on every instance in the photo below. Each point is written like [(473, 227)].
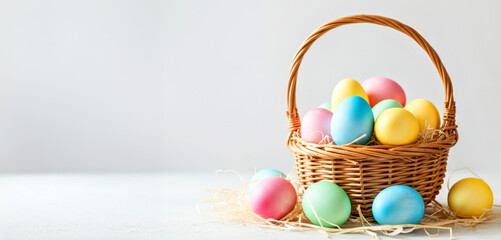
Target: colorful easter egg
[(397, 205), (325, 203), (425, 112), (346, 88), (315, 126), (352, 122), (396, 126), (380, 88), (470, 197), (326, 105), (273, 197), (263, 174), (383, 105)]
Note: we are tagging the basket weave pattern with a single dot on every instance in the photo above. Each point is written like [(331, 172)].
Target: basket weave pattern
[(363, 171)]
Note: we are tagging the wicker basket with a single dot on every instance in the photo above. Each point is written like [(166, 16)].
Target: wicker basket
[(363, 171)]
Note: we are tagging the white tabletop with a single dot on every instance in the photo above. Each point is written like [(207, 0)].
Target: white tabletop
[(138, 206)]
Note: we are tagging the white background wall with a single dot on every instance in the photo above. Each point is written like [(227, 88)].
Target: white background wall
[(201, 85)]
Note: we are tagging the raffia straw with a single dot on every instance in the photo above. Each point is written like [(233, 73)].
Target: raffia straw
[(429, 134), (459, 169), (232, 206), (357, 139)]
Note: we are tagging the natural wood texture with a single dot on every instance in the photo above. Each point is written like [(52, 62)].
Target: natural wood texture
[(363, 171)]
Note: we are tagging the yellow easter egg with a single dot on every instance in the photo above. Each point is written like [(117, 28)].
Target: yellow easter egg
[(396, 126), (425, 112), (346, 88), (470, 197)]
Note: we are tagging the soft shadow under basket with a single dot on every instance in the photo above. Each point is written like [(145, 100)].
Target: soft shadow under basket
[(363, 171)]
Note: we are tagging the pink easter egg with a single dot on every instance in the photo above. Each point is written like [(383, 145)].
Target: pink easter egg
[(380, 88), (273, 197), (316, 126)]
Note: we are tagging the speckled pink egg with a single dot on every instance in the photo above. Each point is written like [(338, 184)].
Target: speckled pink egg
[(316, 126), (273, 197), (380, 88)]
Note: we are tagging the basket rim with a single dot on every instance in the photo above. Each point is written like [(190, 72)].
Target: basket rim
[(360, 154), (422, 144)]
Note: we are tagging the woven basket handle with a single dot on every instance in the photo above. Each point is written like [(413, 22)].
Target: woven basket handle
[(448, 125)]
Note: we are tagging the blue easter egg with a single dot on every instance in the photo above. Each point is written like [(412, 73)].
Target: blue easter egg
[(397, 205), (352, 119), (263, 174)]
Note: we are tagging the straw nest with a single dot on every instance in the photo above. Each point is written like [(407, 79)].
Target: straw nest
[(232, 206)]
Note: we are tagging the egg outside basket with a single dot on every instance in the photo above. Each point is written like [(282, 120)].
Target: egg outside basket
[(363, 171)]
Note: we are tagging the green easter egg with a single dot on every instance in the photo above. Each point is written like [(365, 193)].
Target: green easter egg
[(325, 105), (383, 105), (325, 204)]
